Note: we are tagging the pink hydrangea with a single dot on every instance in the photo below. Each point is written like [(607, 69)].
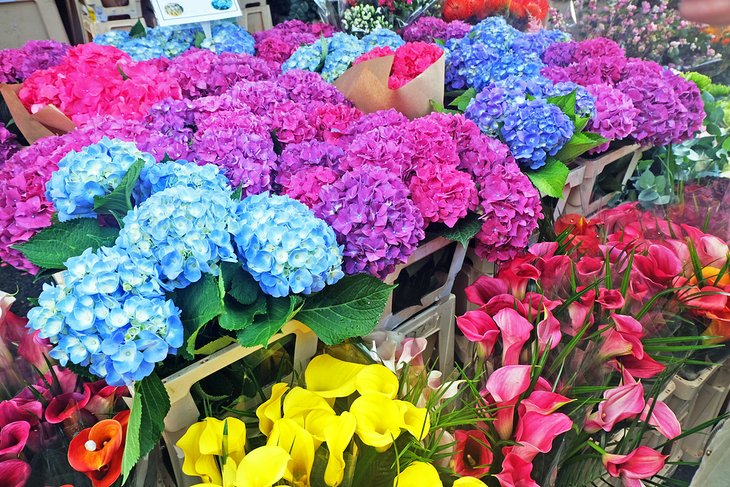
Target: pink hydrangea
[(331, 121), (8, 144), (260, 97), (291, 123), (387, 147), (434, 143), (98, 80), (370, 121), (412, 59), (307, 87), (511, 211), (639, 67), (442, 193), (380, 51), (306, 184)]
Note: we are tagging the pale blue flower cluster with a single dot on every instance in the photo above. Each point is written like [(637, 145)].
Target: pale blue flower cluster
[(381, 37), (332, 56), (285, 247), (229, 37), (159, 177), (184, 230), (535, 130), (94, 171), (109, 313)]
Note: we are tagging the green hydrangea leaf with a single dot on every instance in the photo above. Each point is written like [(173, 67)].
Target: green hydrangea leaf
[(550, 179)]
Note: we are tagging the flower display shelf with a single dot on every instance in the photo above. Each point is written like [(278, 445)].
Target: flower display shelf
[(183, 411), (436, 324), (256, 15), (581, 198), (398, 310), (94, 16)]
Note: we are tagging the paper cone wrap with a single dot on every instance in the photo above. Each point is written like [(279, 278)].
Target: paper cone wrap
[(48, 121)]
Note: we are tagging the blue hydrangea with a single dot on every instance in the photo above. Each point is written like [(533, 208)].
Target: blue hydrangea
[(184, 230), (539, 41), (94, 171), (382, 38), (229, 37), (487, 109), (495, 33), (285, 247), (307, 58), (535, 130), (158, 177), (342, 50), (585, 103), (467, 61), (159, 42), (507, 64), (222, 4), (109, 313)]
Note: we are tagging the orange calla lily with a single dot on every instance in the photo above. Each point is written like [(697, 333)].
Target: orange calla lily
[(97, 451)]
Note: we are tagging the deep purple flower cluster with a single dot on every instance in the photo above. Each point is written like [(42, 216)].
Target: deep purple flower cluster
[(374, 218), (18, 64), (615, 114), (306, 87), (512, 209), (429, 29), (8, 144), (298, 157)]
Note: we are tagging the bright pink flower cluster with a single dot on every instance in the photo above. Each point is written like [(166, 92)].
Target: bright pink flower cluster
[(411, 59), (98, 80)]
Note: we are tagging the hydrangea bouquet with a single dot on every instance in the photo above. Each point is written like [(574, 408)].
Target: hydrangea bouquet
[(158, 260)]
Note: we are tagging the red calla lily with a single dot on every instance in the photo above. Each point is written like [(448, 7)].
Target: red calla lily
[(473, 455)]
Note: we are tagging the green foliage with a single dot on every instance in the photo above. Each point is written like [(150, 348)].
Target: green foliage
[(53, 246), (550, 179), (138, 31), (464, 230), (119, 202)]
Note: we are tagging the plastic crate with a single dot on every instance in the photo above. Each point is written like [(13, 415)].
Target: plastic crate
[(97, 19), (183, 410), (413, 296), (256, 15), (436, 324)]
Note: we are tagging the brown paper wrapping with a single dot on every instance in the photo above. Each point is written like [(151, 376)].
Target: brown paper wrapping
[(366, 85), (48, 121)]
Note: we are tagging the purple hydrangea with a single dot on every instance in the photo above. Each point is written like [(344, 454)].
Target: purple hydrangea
[(374, 218), (535, 130), (260, 97), (305, 87), (291, 123), (8, 144), (689, 95), (589, 71), (428, 29), (386, 147), (639, 67), (434, 145), (241, 146), (511, 212), (18, 64), (598, 47), (297, 157), (306, 185), (560, 54), (615, 114)]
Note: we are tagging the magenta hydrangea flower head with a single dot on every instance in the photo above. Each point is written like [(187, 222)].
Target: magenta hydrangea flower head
[(260, 97), (389, 147), (290, 123), (306, 87), (689, 95), (298, 157), (306, 185), (8, 144), (442, 193), (371, 121), (639, 67), (434, 143), (512, 209), (201, 72), (596, 48), (374, 218), (241, 146), (615, 117), (332, 121)]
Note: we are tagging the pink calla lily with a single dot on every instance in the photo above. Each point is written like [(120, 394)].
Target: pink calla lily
[(484, 289), (505, 385), (20, 409), (544, 402), (580, 315), (517, 274), (610, 299), (548, 332), (643, 368), (662, 418), (620, 403), (102, 398), (642, 463), (13, 438), (555, 272), (516, 331), (410, 352), (478, 327), (536, 432), (544, 249), (66, 405), (515, 472), (589, 269), (14, 473)]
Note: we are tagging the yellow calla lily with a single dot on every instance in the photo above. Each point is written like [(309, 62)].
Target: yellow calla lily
[(219, 436), (377, 379), (262, 467), (195, 464), (330, 377), (287, 434), (418, 474), (469, 482), (270, 410), (338, 433), (415, 420), (379, 420), (300, 403)]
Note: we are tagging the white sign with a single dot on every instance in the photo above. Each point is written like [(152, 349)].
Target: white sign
[(177, 12)]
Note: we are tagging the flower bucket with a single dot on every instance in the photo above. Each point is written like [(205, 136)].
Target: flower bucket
[(583, 198), (412, 296), (183, 410), (44, 123), (366, 85)]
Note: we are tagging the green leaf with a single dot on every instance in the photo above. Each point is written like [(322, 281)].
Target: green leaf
[(550, 179), (462, 101), (580, 123), (238, 193), (579, 144), (439, 107), (199, 303), (146, 421), (239, 284), (52, 246), (138, 31), (350, 308), (198, 39), (278, 312), (237, 317), (122, 73), (464, 230), (566, 103), (118, 203)]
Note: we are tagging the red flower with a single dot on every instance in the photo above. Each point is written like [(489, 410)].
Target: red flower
[(473, 456), (97, 451), (610, 299)]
